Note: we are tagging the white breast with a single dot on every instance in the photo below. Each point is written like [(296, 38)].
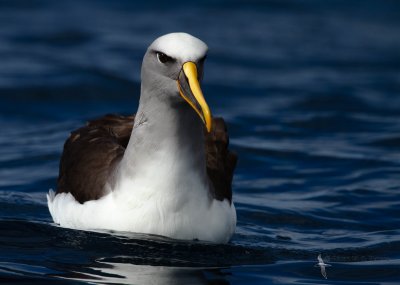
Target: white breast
[(187, 219), (156, 202)]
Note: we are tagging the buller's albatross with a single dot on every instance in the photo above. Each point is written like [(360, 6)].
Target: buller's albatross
[(166, 170)]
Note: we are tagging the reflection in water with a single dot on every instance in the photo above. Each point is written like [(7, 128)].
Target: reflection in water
[(125, 273)]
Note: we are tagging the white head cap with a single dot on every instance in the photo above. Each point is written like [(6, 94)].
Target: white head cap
[(180, 46)]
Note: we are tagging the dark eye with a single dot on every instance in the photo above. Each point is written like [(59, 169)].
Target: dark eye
[(163, 58)]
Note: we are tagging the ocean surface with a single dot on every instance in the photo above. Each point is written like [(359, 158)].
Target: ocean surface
[(311, 94)]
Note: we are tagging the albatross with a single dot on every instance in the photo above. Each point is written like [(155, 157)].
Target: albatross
[(166, 170)]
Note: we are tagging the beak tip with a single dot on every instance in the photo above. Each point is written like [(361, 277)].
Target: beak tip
[(208, 123)]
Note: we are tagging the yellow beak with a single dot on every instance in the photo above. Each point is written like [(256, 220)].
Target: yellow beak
[(189, 89)]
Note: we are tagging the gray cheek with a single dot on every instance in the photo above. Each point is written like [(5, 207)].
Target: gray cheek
[(174, 71)]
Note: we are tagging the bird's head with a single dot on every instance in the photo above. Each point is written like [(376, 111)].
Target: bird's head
[(174, 63)]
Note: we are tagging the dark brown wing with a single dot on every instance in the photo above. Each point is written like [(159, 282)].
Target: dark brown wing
[(91, 152), (221, 162)]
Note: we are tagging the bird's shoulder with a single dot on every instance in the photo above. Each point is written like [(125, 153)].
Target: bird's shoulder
[(90, 155)]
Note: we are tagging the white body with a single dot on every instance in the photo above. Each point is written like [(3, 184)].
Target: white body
[(190, 217)]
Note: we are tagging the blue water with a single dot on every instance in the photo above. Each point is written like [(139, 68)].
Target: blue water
[(311, 94)]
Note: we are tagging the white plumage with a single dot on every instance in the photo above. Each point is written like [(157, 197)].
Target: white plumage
[(160, 205)]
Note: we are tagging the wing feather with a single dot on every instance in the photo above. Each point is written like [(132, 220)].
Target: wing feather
[(221, 162)]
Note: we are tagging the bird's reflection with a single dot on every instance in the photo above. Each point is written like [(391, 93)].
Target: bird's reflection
[(125, 273)]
